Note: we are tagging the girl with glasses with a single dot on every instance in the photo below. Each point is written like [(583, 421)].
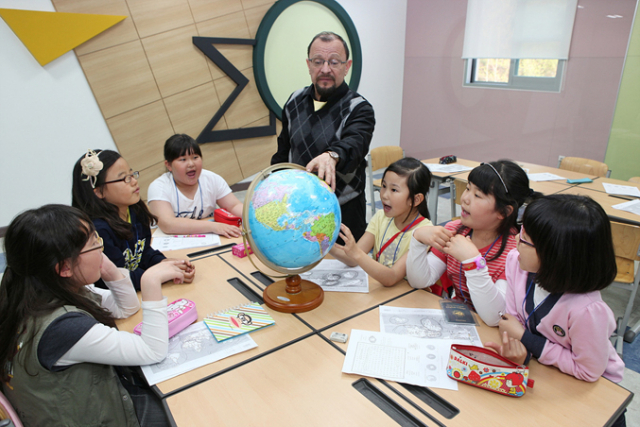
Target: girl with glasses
[(468, 255), (555, 313), (106, 189), (60, 346), (187, 193)]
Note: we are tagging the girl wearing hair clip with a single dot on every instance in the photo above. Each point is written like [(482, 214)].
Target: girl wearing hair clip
[(106, 189), (472, 251)]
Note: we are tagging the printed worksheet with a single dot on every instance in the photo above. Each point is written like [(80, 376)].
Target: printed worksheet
[(335, 276), (450, 168), (399, 358), (623, 190), (544, 177), (191, 348), (426, 323), (166, 242), (632, 206)]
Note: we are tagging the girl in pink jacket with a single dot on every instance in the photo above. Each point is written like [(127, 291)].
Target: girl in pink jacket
[(554, 308)]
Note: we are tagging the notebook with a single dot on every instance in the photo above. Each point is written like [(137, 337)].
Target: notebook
[(237, 321)]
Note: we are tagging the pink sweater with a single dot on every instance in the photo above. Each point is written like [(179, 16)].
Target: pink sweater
[(575, 331)]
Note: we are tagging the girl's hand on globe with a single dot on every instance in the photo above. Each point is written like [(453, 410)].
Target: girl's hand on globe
[(350, 246), (226, 230)]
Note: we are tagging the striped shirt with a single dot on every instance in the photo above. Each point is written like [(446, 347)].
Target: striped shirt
[(496, 266)]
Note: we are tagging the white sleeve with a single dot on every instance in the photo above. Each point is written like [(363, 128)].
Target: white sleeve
[(488, 297), (121, 298), (423, 268), (108, 346), (219, 187), (158, 190)]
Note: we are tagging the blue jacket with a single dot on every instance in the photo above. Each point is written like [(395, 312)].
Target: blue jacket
[(136, 255)]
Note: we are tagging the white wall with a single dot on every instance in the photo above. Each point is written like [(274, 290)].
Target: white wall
[(381, 25), (49, 117)]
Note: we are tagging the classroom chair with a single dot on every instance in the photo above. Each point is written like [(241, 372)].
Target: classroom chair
[(379, 158), (588, 166), (7, 413), (635, 179), (626, 245)]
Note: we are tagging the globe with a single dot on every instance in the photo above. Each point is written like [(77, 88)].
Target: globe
[(291, 219)]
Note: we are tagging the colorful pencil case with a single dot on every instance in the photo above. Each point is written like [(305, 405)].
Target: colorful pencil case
[(238, 250), (180, 314), (484, 368)]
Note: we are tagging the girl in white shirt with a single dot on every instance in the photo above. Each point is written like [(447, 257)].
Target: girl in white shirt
[(187, 193), (56, 326)]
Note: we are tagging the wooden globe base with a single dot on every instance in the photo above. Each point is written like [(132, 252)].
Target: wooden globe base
[(293, 295)]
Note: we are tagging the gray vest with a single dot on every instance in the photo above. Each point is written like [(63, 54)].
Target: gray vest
[(86, 394)]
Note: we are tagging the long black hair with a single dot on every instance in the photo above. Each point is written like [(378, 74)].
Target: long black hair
[(37, 244), (572, 238), (418, 180), (85, 199), (508, 183)]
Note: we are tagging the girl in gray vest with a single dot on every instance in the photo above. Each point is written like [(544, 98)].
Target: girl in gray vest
[(58, 335)]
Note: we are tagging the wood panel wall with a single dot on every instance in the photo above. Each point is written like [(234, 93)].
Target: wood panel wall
[(150, 81)]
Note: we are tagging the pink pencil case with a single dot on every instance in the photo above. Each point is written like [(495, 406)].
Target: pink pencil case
[(180, 314)]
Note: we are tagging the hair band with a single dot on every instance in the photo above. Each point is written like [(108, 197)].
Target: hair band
[(499, 176), (91, 167)]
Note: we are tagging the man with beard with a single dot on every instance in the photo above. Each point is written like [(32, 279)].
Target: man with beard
[(327, 127)]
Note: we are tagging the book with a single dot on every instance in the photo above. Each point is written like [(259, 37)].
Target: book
[(239, 320)]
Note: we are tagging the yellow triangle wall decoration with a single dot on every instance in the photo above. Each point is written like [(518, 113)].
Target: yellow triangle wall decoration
[(49, 35)]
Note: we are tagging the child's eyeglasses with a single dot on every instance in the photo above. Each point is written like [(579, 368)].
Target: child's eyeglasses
[(523, 240), (100, 245), (126, 179)]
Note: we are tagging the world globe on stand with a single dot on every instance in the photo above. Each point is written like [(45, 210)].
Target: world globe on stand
[(291, 219)]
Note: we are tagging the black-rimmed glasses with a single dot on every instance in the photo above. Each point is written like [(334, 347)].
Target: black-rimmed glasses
[(334, 64), (126, 179), (99, 242)]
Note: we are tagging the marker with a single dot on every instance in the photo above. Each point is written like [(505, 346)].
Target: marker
[(191, 235)]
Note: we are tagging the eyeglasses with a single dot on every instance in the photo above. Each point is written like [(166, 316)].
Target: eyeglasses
[(334, 64), (126, 179), (99, 242), (523, 240)]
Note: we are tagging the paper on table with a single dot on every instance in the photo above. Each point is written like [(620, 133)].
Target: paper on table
[(335, 276), (426, 323), (450, 168), (192, 348), (632, 206), (165, 242), (623, 190), (399, 358), (544, 176)]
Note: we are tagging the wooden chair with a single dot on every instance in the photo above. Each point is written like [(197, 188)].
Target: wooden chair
[(626, 244), (379, 158), (588, 166), (635, 179)]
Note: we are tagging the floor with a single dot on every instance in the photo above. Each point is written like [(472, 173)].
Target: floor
[(616, 298)]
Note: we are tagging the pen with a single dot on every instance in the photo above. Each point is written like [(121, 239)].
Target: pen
[(502, 316), (623, 197), (191, 235)]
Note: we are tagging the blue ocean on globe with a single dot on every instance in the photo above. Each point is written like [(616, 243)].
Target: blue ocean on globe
[(294, 218)]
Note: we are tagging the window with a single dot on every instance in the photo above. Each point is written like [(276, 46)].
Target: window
[(522, 74)]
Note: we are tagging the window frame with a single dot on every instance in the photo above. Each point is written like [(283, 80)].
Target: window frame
[(537, 84)]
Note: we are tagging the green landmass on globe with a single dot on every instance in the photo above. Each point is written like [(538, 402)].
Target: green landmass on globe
[(294, 218)]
